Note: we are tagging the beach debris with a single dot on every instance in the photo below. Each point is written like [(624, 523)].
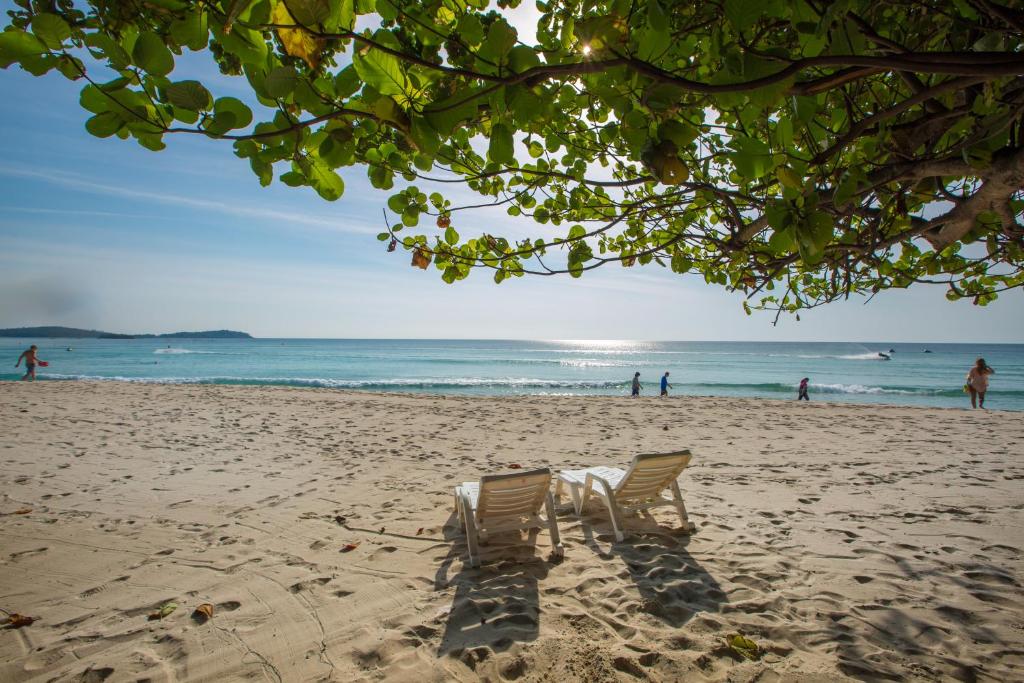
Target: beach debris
[(23, 511), (340, 520), (349, 547), (743, 646), (515, 466), (665, 428), (419, 532), (15, 620), (203, 613), (381, 530), (165, 611)]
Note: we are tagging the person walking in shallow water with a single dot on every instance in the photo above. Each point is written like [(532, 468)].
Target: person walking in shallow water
[(636, 385), (31, 360), (977, 382), (665, 386), (802, 394)]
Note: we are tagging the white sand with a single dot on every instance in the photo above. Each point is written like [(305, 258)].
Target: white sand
[(868, 542)]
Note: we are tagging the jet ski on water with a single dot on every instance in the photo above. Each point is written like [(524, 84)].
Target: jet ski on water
[(884, 356)]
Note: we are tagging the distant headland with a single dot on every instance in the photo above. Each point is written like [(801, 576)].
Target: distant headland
[(55, 332)]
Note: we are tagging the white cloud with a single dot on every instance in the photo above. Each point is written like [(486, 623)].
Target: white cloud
[(343, 223)]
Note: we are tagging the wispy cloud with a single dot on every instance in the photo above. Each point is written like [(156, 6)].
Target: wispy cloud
[(80, 212), (344, 223)]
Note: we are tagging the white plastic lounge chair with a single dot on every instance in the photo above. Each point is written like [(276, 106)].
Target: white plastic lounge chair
[(506, 502), (638, 488)]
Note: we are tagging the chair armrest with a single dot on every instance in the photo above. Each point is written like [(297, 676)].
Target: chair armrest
[(591, 478), (466, 501)]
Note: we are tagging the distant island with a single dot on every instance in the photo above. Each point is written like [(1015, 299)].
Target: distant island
[(55, 332)]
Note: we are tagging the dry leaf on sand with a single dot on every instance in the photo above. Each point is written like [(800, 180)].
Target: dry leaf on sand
[(203, 613), (15, 620), (349, 547)]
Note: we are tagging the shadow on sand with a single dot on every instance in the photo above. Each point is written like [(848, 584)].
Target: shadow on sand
[(496, 604), (672, 584)]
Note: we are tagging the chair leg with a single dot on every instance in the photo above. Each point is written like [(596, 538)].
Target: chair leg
[(471, 536), (588, 485), (556, 541), (614, 513), (680, 506), (577, 501)]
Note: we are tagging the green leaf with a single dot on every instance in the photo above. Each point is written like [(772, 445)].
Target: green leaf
[(656, 17), (309, 12), (347, 82), (682, 134), (449, 112), (751, 158), (281, 81), (51, 29), (326, 182), (104, 125), (450, 236), (381, 71), (15, 45), (500, 39), (788, 178), (72, 67), (521, 58), (293, 179), (110, 49), (189, 95), (152, 55), (423, 134), (192, 31), (239, 111), (343, 15), (742, 14), (501, 149), (92, 99), (470, 29), (387, 9), (653, 42)]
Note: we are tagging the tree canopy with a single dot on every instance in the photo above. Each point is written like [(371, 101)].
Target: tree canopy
[(799, 151)]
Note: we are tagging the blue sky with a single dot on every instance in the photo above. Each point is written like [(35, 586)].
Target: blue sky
[(104, 234)]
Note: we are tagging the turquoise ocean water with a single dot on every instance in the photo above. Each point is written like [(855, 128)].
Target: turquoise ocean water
[(838, 371)]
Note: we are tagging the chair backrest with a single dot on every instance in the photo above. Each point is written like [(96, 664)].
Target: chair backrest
[(512, 495), (650, 473)]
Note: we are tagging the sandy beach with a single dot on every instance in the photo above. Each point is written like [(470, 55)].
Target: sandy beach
[(848, 541)]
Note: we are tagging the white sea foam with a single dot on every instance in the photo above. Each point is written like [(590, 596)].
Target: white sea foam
[(862, 389)]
